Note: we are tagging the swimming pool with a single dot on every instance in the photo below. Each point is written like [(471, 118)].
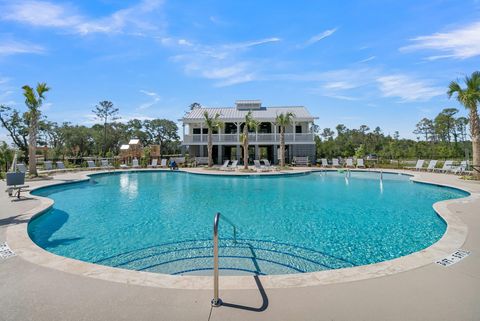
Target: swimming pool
[(160, 221)]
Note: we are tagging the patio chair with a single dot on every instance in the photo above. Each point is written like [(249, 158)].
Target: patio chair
[(47, 165), (418, 166), (324, 162), (268, 165), (349, 162), (15, 182), (135, 163), (225, 165), (445, 168), (460, 169), (360, 163), (91, 164), (233, 166), (163, 162), (154, 163), (431, 165), (21, 167), (105, 164), (60, 165), (259, 167), (335, 162)]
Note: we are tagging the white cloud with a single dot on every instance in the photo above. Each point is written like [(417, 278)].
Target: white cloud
[(459, 43), (316, 38), (37, 13), (223, 63), (407, 88), (155, 98), (12, 47), (368, 59)]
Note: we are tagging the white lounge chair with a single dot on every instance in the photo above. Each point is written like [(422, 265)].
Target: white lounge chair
[(301, 161), (135, 163), (349, 162), (460, 168), (360, 163), (225, 165), (446, 167), (268, 165), (163, 162), (324, 162), (233, 166), (91, 164), (335, 162), (431, 165), (47, 165), (60, 165), (154, 163), (258, 166), (22, 168), (105, 164), (418, 166)]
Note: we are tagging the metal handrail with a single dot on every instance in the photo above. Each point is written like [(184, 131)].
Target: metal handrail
[(216, 301)]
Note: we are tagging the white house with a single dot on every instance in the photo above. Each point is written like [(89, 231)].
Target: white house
[(299, 137)]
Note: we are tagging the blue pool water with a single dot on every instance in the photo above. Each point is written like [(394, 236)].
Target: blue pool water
[(162, 221)]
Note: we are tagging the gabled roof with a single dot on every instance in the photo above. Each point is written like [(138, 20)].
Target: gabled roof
[(134, 141), (264, 113), (124, 147)]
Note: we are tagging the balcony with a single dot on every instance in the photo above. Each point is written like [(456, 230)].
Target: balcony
[(233, 139)]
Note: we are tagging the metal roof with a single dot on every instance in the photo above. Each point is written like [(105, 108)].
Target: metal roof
[(124, 147), (264, 113), (134, 141)]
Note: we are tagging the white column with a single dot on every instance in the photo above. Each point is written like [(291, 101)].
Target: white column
[(201, 132), (238, 132), (293, 126)]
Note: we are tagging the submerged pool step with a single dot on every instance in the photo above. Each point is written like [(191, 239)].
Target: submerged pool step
[(241, 257)]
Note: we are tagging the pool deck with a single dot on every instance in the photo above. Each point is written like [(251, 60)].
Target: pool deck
[(31, 291)]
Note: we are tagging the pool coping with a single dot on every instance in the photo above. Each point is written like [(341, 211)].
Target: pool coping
[(454, 237)]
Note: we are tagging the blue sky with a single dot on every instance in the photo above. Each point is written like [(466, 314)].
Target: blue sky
[(379, 63)]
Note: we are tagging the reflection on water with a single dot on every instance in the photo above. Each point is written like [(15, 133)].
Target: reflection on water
[(129, 185)]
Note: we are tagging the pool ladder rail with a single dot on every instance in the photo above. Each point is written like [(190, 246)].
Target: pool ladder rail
[(216, 301)]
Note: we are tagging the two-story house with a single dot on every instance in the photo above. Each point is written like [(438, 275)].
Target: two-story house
[(263, 143)]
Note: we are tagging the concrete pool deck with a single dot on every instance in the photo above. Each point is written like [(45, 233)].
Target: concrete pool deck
[(31, 291)]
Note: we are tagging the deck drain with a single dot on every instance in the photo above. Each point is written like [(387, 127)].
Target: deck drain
[(453, 258), (5, 251)]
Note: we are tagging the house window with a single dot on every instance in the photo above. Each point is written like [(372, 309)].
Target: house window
[(298, 129), (196, 131)]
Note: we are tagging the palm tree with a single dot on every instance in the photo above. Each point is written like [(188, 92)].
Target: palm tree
[(33, 99), (212, 122), (470, 97), (283, 120), (251, 124)]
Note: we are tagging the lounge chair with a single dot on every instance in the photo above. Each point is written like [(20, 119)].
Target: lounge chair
[(324, 162), (60, 165), (460, 168), (22, 168), (349, 162), (135, 163), (15, 182), (225, 165), (233, 166), (360, 163), (268, 166), (47, 165), (259, 167), (431, 165), (163, 162), (418, 166), (105, 164), (154, 163), (335, 162), (446, 167), (91, 164)]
